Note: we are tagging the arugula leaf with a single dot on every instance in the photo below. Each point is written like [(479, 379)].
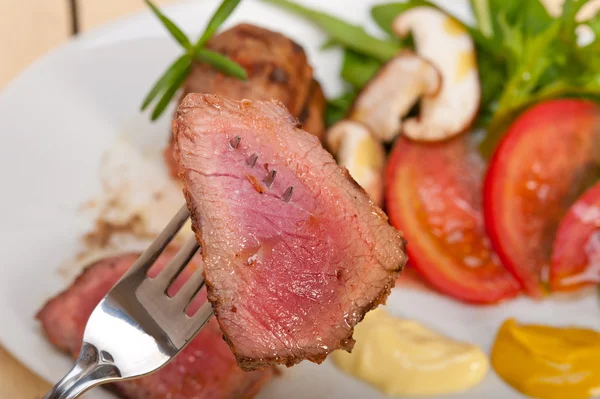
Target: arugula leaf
[(536, 17), (224, 11), (166, 80), (170, 93), (512, 41), (531, 15), (171, 27), (350, 36), (222, 63), (492, 77), (590, 52), (524, 77), (358, 69), (338, 107), (594, 24), (510, 10), (570, 10), (481, 9)]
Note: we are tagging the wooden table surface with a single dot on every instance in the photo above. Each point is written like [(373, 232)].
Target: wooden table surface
[(29, 29)]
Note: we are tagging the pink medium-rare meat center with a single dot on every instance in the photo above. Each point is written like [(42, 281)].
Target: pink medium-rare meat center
[(290, 243)]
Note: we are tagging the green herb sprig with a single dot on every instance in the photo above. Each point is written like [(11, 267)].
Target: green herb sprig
[(171, 80), (350, 36)]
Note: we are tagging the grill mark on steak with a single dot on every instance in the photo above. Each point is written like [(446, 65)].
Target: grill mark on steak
[(319, 262), (255, 183), (278, 75), (205, 369)]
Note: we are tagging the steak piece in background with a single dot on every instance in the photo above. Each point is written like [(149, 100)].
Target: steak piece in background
[(295, 252), (277, 69), (205, 369)]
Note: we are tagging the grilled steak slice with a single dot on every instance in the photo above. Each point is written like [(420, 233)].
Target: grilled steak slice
[(295, 252), (277, 69), (204, 369)]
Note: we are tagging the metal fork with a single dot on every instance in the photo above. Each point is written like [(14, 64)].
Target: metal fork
[(137, 328)]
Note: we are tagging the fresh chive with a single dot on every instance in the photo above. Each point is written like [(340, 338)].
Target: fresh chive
[(349, 35), (167, 78), (175, 75), (224, 10), (358, 69), (329, 44), (169, 93), (171, 27), (221, 62)]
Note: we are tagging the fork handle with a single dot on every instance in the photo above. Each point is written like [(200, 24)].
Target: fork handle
[(93, 367)]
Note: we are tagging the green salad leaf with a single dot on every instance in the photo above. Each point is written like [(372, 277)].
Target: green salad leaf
[(348, 35), (337, 108), (524, 56), (358, 69), (536, 17), (543, 61), (172, 79), (483, 15)]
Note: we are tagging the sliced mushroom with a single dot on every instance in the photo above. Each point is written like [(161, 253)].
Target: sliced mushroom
[(447, 45), (355, 148), (391, 94)]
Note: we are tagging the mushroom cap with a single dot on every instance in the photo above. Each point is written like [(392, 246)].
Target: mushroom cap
[(392, 92), (448, 46), (355, 148)]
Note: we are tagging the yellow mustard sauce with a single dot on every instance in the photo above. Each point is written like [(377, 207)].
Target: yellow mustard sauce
[(548, 362), (403, 358)]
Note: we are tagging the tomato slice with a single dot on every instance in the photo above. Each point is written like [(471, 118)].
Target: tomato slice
[(433, 195), (548, 156), (576, 253)]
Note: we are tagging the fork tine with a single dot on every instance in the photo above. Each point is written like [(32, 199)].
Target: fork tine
[(189, 290), (203, 314), (149, 256), (166, 277)]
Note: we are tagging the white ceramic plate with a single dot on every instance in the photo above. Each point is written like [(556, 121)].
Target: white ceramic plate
[(71, 107)]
